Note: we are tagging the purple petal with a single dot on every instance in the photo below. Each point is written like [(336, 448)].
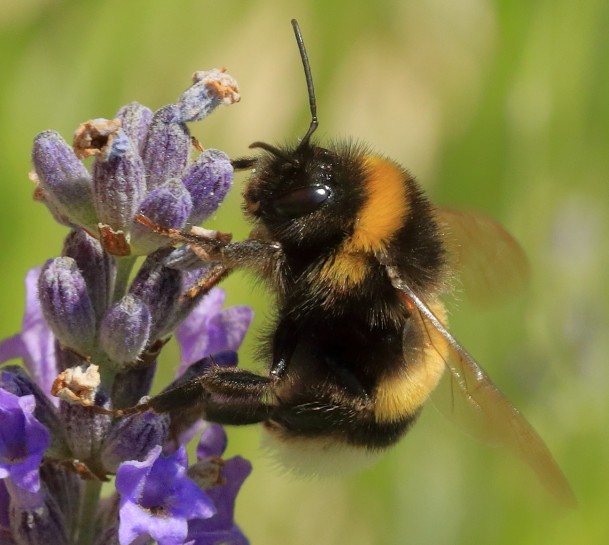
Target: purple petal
[(16, 381), (12, 348), (37, 337), (130, 477), (227, 329), (234, 473), (23, 441), (188, 430), (233, 536), (168, 531), (191, 334), (158, 499), (133, 523), (35, 344)]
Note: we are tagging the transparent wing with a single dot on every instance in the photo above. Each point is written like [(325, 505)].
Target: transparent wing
[(496, 417), (488, 261)]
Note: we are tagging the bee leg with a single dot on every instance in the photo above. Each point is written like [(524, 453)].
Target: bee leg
[(261, 257), (255, 254), (284, 344), (244, 163), (222, 395)]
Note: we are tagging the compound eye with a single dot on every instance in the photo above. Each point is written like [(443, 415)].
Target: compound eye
[(301, 201)]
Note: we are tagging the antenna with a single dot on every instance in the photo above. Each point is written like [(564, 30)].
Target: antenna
[(310, 88)]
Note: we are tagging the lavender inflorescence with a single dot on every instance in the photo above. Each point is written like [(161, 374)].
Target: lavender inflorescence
[(93, 330)]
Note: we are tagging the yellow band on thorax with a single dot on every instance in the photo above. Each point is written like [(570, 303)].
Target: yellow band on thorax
[(385, 207)]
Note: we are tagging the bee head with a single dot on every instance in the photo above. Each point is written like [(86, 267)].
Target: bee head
[(303, 193)]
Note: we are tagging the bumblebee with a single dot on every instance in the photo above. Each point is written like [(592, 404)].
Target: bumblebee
[(358, 259)]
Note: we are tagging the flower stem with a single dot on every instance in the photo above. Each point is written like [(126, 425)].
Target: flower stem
[(86, 516), (124, 265)]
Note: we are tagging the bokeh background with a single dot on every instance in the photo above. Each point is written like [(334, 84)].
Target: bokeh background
[(500, 106)]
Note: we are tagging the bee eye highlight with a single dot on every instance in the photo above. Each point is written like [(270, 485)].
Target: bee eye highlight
[(301, 201)]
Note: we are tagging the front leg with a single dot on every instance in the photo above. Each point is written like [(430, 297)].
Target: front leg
[(222, 395), (256, 253)]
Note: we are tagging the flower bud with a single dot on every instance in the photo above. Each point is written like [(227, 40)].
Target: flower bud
[(159, 288), (64, 485), (66, 304), (133, 437), (119, 182), (96, 266), (169, 205), (85, 429), (65, 181), (35, 525), (124, 329), (213, 442), (167, 148), (210, 88), (135, 120), (133, 383), (208, 180)]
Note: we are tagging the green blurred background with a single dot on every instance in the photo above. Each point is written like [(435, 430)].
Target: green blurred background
[(499, 106)]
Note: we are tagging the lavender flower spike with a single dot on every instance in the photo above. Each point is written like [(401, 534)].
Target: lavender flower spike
[(92, 332)]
